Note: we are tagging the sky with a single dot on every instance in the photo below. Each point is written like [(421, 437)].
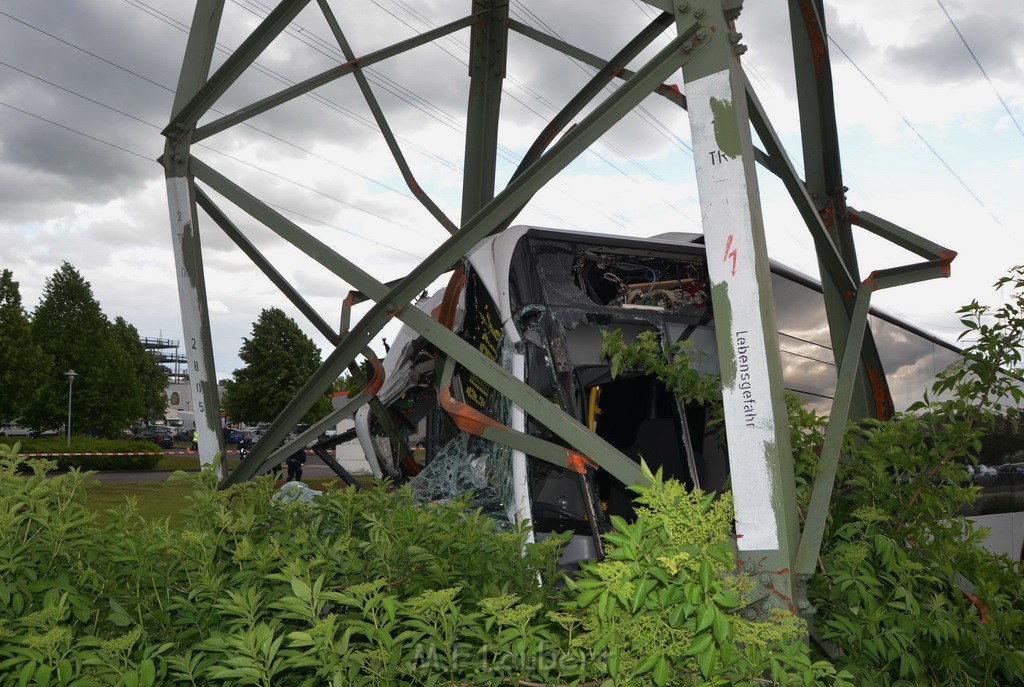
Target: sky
[(929, 102)]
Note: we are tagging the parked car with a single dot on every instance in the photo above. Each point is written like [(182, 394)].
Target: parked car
[(158, 434), (13, 431)]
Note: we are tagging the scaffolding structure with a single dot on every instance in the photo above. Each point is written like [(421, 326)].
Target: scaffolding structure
[(167, 354)]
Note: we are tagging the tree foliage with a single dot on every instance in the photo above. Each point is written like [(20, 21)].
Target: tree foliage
[(23, 365), (151, 376), (279, 359), (70, 326)]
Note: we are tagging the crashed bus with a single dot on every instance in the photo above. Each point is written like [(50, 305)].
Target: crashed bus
[(548, 295)]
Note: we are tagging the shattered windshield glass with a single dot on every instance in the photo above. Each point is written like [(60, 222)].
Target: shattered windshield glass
[(474, 466)]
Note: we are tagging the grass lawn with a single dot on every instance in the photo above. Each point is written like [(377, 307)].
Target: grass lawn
[(186, 463), (158, 500)]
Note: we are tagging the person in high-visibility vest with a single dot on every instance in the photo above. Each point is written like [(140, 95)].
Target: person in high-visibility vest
[(195, 439)]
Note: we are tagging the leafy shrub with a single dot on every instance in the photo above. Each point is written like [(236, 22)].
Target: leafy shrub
[(363, 588), (891, 590), (888, 591), (664, 603), (250, 592), (367, 588), (86, 444), (892, 604)]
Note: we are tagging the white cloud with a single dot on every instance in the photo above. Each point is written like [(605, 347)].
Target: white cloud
[(101, 205)]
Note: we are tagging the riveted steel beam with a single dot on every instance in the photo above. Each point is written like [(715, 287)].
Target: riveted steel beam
[(872, 396), (817, 510), (382, 122), (488, 51), (824, 480), (264, 266), (185, 238), (392, 303), (551, 416), (185, 117), (823, 179), (264, 454), (900, 236), (308, 85), (760, 456)]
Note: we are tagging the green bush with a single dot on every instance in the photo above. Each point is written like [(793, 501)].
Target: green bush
[(891, 592), (368, 588), (86, 444), (363, 588)]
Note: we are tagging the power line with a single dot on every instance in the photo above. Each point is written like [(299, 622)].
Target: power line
[(246, 124), (975, 58), (143, 7), (347, 231), (76, 131), (916, 132), (138, 4), (150, 160), (79, 95), (154, 126), (91, 54), (448, 119), (642, 112)]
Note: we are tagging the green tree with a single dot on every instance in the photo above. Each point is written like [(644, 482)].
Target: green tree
[(23, 365), (70, 326), (149, 373), (279, 359)]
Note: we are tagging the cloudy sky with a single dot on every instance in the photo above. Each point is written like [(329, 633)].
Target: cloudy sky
[(930, 141)]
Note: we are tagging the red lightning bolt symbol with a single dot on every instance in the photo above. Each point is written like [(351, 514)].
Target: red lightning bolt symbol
[(730, 254)]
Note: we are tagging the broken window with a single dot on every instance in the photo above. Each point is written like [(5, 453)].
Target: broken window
[(475, 467), (642, 282)]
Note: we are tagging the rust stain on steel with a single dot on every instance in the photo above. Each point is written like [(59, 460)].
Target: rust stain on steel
[(946, 257), (815, 37), (378, 377), (467, 419), (883, 402), (672, 92), (413, 186), (577, 462), (826, 217), (445, 312)]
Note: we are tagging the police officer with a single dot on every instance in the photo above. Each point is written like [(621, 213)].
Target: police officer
[(295, 462)]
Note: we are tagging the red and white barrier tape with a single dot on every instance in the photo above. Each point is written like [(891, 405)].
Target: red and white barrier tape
[(108, 453)]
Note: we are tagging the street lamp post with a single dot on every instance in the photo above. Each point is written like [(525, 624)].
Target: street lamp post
[(70, 374)]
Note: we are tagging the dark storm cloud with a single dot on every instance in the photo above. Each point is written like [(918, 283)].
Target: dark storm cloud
[(940, 55), (61, 148), (136, 48)]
